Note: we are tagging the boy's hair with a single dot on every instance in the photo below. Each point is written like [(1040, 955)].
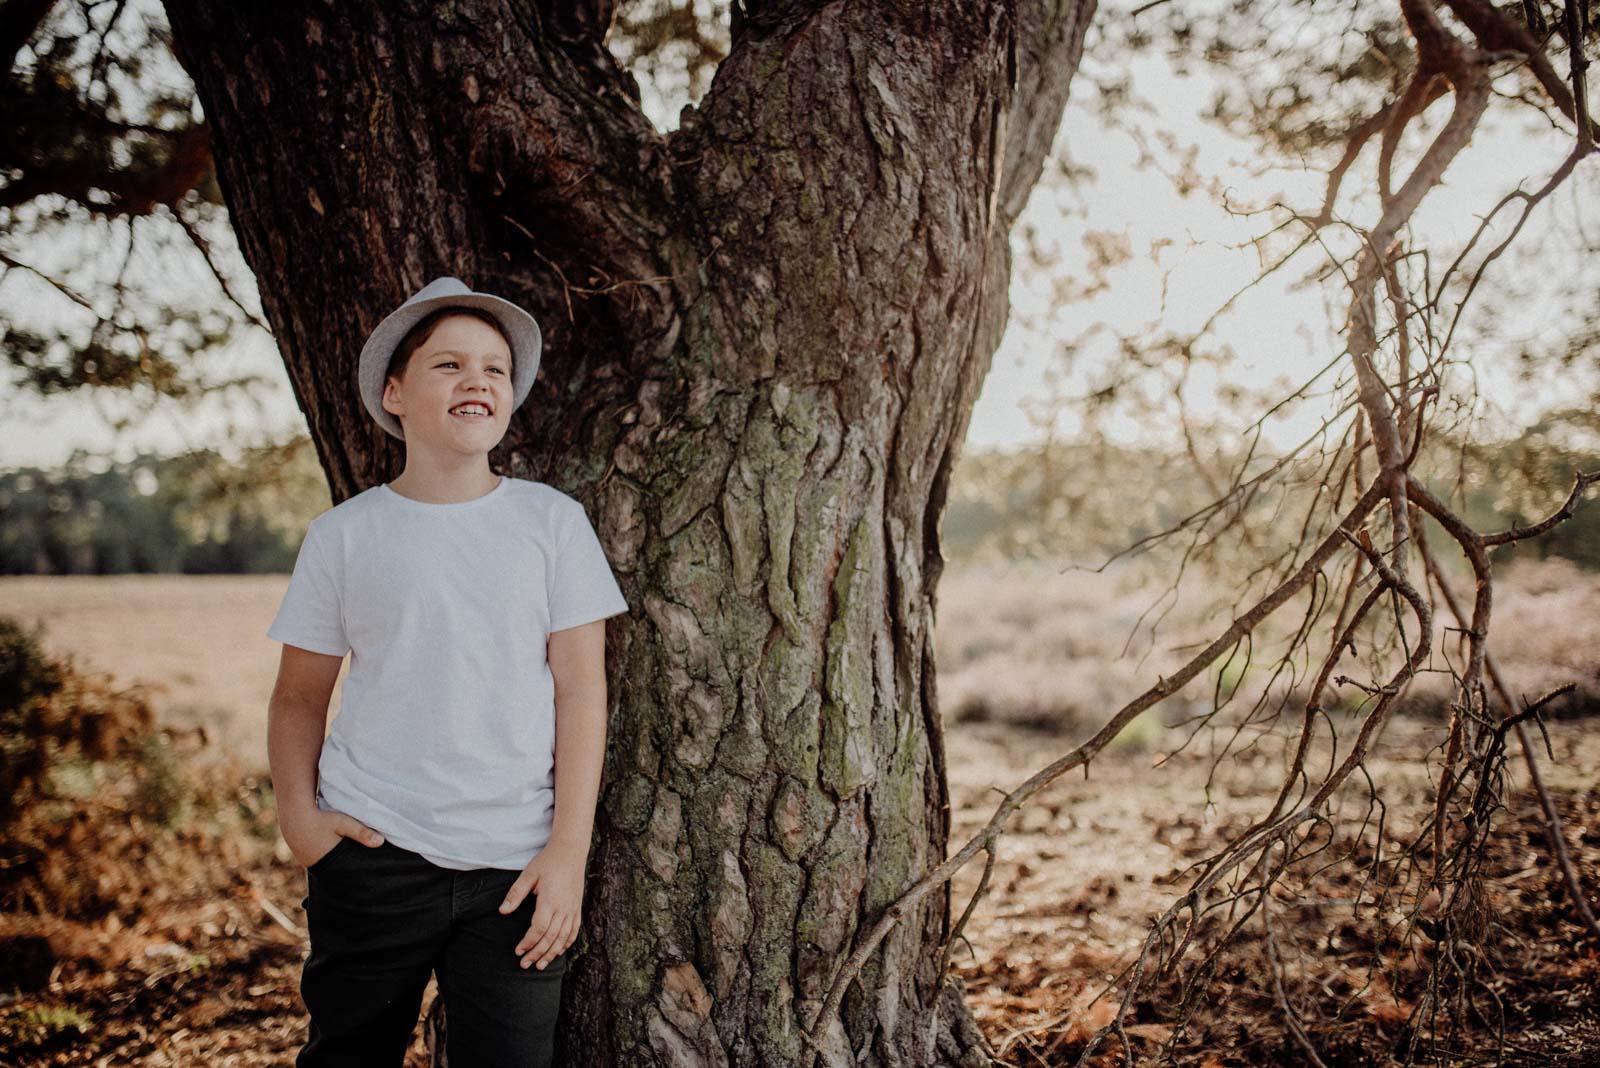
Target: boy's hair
[(424, 329)]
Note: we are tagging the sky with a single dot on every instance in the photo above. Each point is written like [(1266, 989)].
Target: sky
[(1282, 334)]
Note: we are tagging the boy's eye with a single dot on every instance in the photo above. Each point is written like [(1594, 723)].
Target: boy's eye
[(452, 363)]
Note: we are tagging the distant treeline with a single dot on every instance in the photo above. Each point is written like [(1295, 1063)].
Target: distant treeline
[(1086, 502), (196, 513), (203, 513)]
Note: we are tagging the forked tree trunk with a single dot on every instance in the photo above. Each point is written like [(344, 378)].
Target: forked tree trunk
[(764, 335)]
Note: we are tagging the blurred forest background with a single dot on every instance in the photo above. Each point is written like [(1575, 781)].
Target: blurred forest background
[(207, 513)]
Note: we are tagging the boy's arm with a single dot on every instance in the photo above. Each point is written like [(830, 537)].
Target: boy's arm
[(297, 720), (577, 661)]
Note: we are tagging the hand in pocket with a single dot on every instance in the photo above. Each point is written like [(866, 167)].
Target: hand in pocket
[(317, 836)]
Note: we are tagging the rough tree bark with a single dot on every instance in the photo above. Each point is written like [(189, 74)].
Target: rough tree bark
[(764, 336)]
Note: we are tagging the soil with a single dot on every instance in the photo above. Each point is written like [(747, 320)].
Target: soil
[(1091, 861), (206, 972)]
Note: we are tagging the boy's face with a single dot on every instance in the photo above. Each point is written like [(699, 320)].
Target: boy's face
[(464, 362)]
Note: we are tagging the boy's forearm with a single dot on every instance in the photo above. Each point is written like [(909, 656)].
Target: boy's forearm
[(295, 731), (579, 757)]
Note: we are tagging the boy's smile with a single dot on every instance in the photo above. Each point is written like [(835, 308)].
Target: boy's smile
[(456, 390)]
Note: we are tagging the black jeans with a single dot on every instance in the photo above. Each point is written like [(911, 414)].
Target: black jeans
[(383, 918)]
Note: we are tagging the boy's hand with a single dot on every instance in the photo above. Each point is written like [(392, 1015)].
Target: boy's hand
[(316, 833), (555, 876)]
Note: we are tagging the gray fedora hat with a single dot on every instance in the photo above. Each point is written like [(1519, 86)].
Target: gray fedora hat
[(446, 292)]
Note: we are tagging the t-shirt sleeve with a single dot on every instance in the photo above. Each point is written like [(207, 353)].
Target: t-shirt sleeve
[(311, 615), (581, 585)]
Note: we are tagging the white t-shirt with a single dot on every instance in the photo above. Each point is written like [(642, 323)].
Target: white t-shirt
[(445, 736)]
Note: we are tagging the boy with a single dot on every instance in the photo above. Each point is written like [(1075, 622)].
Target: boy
[(436, 834)]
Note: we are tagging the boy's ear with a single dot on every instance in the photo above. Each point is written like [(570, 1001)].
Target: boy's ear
[(391, 397)]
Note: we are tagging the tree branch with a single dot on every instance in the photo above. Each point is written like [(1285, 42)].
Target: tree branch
[(129, 191), (1497, 33), (1164, 687), (569, 21), (1044, 53), (19, 20), (1558, 844)]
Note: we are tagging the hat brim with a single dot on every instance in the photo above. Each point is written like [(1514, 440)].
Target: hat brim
[(526, 345)]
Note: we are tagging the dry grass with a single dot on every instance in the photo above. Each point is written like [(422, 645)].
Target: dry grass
[(1021, 643), (1033, 645), (199, 641)]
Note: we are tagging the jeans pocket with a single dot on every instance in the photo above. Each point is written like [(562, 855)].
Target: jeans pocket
[(320, 862)]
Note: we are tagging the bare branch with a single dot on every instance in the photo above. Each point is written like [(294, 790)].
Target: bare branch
[(60, 286), (1558, 845), (1498, 33), (1164, 688), (1580, 483), (204, 248)]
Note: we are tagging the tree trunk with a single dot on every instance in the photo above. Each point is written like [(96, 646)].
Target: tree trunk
[(764, 335)]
